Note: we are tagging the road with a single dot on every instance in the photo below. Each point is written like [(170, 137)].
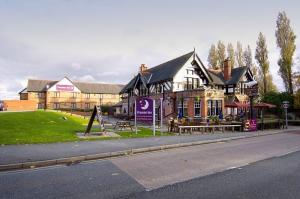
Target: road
[(261, 167)]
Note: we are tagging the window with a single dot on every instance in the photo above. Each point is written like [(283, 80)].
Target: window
[(56, 105), (242, 88), (73, 105), (208, 107), (74, 95), (214, 107), (188, 71), (87, 105), (195, 83), (197, 108), (182, 112), (219, 107), (40, 105), (87, 96), (56, 94), (188, 83), (39, 95)]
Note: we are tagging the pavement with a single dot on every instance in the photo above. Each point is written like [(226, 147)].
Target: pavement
[(22, 154), (257, 167), (274, 178), (154, 170)]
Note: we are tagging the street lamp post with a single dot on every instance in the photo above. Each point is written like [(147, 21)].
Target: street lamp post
[(285, 105)]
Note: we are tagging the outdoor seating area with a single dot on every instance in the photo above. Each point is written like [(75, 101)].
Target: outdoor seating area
[(122, 125), (190, 125), (236, 119)]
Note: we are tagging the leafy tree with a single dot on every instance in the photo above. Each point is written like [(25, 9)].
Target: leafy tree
[(297, 89), (261, 55), (230, 53), (296, 76), (297, 99), (277, 98), (221, 54), (212, 57), (286, 42), (239, 54), (270, 86)]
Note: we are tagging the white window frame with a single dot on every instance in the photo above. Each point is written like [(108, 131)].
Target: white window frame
[(185, 106), (197, 105)]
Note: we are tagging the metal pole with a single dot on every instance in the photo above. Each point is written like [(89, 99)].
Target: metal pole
[(251, 108), (161, 115), (135, 116), (153, 117), (286, 121)]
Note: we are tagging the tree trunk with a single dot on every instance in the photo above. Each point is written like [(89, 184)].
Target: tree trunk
[(290, 82), (265, 84)]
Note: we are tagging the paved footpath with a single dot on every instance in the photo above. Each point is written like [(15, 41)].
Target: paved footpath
[(12, 154)]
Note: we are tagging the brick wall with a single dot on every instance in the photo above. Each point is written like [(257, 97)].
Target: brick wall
[(19, 105)]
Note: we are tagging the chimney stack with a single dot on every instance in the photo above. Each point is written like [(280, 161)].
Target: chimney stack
[(227, 69), (143, 68)]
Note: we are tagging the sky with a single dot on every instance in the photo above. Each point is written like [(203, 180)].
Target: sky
[(107, 40)]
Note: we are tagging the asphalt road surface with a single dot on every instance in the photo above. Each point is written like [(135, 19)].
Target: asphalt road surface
[(261, 167)]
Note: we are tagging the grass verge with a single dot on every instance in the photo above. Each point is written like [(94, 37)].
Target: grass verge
[(49, 127)]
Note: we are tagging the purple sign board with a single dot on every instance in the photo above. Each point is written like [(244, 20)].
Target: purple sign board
[(250, 125), (64, 87), (144, 109), (253, 125)]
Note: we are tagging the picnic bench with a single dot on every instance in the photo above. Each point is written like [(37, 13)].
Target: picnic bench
[(204, 127), (120, 125)]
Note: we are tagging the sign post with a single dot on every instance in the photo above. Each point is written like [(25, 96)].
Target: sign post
[(161, 115), (145, 111), (153, 117), (135, 116), (285, 105), (252, 91)]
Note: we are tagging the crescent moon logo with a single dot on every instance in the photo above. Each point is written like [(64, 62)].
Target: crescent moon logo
[(146, 106)]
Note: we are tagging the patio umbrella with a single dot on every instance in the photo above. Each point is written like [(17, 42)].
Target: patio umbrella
[(236, 105), (264, 105)]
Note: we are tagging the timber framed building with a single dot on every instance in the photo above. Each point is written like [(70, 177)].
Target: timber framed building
[(69, 95), (187, 87)]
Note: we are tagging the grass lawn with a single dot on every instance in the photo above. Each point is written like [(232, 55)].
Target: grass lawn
[(48, 127), (39, 127)]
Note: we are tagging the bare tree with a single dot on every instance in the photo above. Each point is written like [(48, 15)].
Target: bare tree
[(212, 57), (221, 54), (239, 54), (230, 54), (247, 56)]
